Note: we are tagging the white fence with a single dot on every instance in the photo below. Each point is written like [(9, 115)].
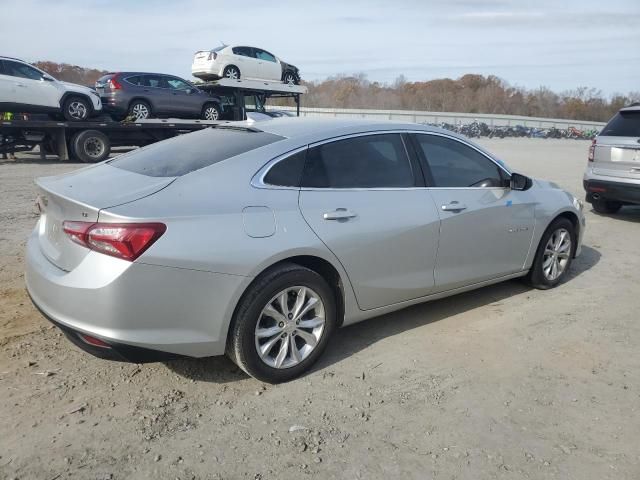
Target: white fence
[(446, 117)]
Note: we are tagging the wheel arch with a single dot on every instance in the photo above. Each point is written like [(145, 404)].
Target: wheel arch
[(67, 95), (142, 99)]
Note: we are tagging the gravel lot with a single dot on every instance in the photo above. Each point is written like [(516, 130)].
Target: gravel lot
[(503, 382)]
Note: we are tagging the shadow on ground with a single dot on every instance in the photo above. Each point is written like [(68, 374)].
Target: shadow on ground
[(352, 339)]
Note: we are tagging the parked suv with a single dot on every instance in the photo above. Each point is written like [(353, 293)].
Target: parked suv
[(612, 178), (146, 95), (27, 89), (243, 62)]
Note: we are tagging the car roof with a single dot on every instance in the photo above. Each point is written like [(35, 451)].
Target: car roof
[(142, 73), (322, 128), (634, 107)]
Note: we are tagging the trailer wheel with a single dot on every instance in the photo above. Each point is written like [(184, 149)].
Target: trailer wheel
[(91, 146)]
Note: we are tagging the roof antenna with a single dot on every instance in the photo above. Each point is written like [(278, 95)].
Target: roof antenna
[(222, 43)]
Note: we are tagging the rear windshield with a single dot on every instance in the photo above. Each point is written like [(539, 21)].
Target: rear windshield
[(187, 153), (624, 124)]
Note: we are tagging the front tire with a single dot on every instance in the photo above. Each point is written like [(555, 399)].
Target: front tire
[(282, 324), (555, 253), (76, 109), (606, 206), (211, 111), (289, 78)]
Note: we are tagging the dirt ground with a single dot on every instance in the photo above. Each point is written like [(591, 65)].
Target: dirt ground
[(503, 382)]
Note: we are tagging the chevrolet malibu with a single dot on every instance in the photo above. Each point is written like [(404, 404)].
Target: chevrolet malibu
[(260, 243)]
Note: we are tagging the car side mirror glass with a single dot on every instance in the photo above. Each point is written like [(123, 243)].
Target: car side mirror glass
[(519, 182)]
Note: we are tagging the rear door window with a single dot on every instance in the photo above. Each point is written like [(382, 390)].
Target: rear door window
[(154, 81), (244, 51), (623, 124), (187, 153), (370, 161), (135, 80)]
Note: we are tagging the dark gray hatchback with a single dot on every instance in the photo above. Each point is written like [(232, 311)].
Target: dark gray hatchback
[(142, 95)]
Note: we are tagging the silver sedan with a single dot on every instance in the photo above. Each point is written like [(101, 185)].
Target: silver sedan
[(260, 243)]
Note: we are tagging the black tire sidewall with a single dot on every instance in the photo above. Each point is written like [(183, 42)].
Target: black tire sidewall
[(77, 146), (208, 105), (606, 206), (140, 102), (536, 275), (67, 104), (243, 336)]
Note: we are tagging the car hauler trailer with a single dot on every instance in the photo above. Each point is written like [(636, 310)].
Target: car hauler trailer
[(91, 141)]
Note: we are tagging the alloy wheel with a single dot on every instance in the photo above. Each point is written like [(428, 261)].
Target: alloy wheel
[(232, 73), (290, 327), (77, 110), (557, 253), (140, 111), (290, 79), (211, 113), (94, 147)]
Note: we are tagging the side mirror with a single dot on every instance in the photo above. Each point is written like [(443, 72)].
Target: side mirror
[(520, 182), (48, 78)]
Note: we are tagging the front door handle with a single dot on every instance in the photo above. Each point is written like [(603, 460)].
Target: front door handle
[(339, 214), (454, 206)]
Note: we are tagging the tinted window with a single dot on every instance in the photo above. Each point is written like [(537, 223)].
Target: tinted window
[(373, 161), (262, 55), (17, 69), (186, 153), (135, 80), (156, 81), (453, 164), (177, 84), (624, 124), (244, 51), (287, 172)]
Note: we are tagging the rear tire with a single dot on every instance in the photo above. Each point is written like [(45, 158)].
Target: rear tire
[(606, 206), (139, 110), (283, 329), (90, 146), (552, 249), (76, 109), (231, 72)]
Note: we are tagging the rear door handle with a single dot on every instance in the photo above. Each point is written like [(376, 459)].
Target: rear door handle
[(454, 207), (339, 214)]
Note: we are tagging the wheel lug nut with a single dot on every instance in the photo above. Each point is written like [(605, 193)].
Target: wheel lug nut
[(283, 335), (281, 324), (297, 322)]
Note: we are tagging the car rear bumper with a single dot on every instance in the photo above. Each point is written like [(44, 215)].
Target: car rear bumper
[(604, 189), (139, 310)]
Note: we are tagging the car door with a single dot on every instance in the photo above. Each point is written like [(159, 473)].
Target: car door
[(486, 228), (187, 100), (30, 86), (155, 90), (268, 66), (246, 61), (7, 87), (361, 195)]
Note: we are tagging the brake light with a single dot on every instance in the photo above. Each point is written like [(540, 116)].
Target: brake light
[(592, 150), (114, 83), (212, 56), (121, 240)]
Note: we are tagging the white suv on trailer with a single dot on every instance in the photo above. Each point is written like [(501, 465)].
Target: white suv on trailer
[(27, 89)]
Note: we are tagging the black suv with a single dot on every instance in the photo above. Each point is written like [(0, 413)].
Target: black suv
[(146, 95)]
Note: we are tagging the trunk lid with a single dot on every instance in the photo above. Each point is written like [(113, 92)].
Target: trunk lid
[(617, 148), (79, 196)]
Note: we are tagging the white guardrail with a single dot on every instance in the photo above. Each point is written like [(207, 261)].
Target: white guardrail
[(446, 117)]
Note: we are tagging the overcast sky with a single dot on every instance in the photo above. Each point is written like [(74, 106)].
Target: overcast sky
[(559, 44)]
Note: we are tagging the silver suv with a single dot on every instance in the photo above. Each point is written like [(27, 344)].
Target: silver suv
[(612, 178)]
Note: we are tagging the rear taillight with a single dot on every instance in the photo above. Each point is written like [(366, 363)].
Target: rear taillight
[(592, 150), (114, 83), (212, 56), (96, 342), (121, 240)]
